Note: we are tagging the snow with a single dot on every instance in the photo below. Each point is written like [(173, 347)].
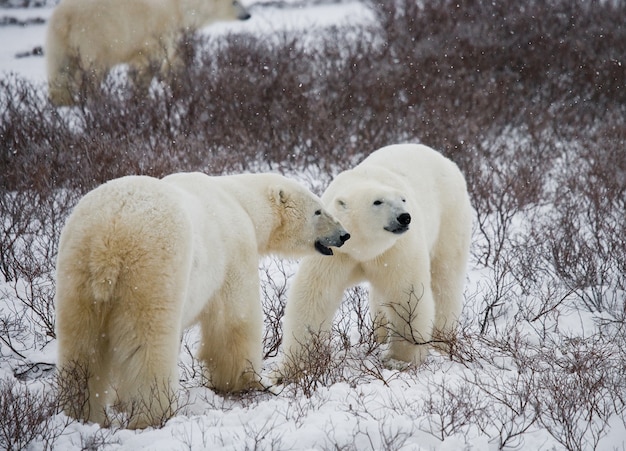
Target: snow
[(18, 39), (385, 412)]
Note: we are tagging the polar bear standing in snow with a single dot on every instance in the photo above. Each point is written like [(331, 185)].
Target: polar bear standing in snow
[(409, 217), (95, 35), (140, 259)]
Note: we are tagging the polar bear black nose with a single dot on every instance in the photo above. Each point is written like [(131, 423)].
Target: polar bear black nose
[(345, 237), (404, 219)]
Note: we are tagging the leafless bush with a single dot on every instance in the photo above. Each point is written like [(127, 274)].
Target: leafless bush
[(262, 437), (452, 408), (27, 415), (320, 362), (153, 409), (383, 435), (577, 398), (503, 187), (586, 235), (193, 372), (509, 409), (71, 390), (274, 299), (32, 222), (97, 440), (355, 315)]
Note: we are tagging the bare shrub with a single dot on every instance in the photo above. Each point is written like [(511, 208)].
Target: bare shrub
[(405, 314), (274, 299), (586, 234), (320, 362), (72, 393), (97, 440), (509, 409), (575, 400), (503, 187), (32, 225), (193, 372), (452, 408), (26, 415), (151, 410)]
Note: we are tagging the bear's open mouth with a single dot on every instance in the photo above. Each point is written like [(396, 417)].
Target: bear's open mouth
[(397, 230), (324, 250)]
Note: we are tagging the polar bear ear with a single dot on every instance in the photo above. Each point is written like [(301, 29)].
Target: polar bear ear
[(279, 195)]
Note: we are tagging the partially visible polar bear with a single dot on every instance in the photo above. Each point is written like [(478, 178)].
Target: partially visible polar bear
[(409, 217), (140, 259), (89, 37)]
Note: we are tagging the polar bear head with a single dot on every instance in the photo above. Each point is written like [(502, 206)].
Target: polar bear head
[(375, 214), (204, 12), (305, 225)]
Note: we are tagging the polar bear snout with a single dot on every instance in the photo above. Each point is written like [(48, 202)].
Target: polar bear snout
[(400, 224), (323, 245), (242, 13)]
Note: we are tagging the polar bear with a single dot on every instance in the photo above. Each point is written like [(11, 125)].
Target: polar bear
[(89, 37), (409, 215), (140, 259)]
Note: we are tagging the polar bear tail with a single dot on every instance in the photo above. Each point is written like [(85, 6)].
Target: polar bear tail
[(105, 268), (103, 287)]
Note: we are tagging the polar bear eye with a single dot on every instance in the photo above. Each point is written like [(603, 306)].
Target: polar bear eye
[(318, 212), (378, 202), (341, 203), (404, 200)]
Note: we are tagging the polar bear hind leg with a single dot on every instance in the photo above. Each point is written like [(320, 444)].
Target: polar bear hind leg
[(448, 279), (144, 355), (136, 340), (83, 354)]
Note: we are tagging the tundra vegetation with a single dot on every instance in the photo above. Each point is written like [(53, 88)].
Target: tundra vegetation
[(528, 98)]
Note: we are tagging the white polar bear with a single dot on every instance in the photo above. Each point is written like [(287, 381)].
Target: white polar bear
[(410, 220), (89, 37), (140, 259)]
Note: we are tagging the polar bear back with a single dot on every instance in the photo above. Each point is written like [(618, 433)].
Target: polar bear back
[(126, 24), (430, 175)]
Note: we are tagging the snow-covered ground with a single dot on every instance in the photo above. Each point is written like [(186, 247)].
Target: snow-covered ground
[(390, 409)]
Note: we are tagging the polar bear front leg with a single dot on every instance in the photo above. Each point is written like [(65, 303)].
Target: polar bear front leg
[(401, 296), (232, 331), (378, 316), (408, 315), (411, 324), (314, 297)]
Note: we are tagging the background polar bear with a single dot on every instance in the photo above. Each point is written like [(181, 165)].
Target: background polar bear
[(140, 259), (409, 217), (95, 35)]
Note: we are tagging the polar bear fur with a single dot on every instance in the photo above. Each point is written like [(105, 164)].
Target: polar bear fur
[(95, 35), (409, 217), (140, 259)]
